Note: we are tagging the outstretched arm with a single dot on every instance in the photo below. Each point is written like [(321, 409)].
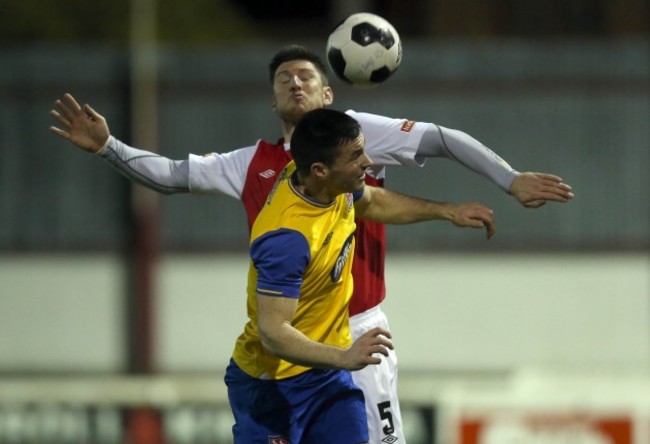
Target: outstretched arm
[(531, 189), (87, 129), (386, 206)]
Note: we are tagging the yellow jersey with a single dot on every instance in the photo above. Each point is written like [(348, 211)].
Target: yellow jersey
[(299, 248)]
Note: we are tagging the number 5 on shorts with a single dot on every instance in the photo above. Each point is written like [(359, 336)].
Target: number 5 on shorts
[(385, 414)]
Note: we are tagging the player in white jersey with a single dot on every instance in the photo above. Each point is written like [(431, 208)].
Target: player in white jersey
[(299, 85)]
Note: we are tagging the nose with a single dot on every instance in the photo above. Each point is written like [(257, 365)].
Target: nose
[(365, 161), (295, 82)]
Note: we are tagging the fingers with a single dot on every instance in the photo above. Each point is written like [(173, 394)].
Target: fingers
[(377, 340), (380, 336), (476, 215), (94, 115), (66, 110), (549, 177), (486, 221), (552, 188), (62, 114), (371, 353), (59, 132), (379, 331), (490, 229), (378, 349), (538, 199), (541, 187), (61, 120), (71, 102)]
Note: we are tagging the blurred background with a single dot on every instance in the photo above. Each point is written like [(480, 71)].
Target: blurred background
[(119, 308)]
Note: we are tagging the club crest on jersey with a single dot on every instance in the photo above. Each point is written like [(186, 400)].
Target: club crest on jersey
[(278, 440), (407, 126), (339, 264)]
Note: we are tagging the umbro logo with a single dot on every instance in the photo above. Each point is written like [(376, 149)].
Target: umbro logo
[(267, 174)]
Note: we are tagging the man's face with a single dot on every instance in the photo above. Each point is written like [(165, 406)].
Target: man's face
[(348, 172), (297, 89)]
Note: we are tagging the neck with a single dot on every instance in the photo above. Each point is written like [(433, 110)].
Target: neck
[(287, 131), (313, 189)]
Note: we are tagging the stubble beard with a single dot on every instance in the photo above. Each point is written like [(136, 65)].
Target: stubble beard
[(293, 114)]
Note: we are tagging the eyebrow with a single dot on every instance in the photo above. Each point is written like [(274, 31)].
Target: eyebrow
[(300, 71)]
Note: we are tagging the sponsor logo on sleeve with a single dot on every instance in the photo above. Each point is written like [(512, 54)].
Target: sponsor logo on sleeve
[(407, 126)]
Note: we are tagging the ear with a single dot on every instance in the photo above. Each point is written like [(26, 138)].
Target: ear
[(319, 170), (328, 96), (274, 104)]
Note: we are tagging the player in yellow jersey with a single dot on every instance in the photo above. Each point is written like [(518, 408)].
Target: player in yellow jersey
[(289, 379)]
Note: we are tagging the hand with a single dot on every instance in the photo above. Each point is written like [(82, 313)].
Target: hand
[(360, 354), (533, 190), (82, 126), (474, 215)]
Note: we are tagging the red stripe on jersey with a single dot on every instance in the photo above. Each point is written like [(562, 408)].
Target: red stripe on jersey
[(368, 265), (370, 237), (266, 164)]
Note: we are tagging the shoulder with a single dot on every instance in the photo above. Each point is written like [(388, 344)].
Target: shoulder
[(277, 248)]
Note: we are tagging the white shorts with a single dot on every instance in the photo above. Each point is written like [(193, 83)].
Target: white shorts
[(379, 384)]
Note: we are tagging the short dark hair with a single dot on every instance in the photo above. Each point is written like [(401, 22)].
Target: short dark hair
[(297, 52), (318, 135)]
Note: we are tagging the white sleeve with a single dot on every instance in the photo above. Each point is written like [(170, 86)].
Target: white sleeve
[(469, 152), (220, 172), (146, 168), (391, 141)]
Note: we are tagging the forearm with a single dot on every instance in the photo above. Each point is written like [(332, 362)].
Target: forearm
[(469, 152), (390, 207), (288, 343), (149, 169)]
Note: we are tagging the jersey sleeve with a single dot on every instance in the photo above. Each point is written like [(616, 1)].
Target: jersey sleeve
[(223, 173), (280, 258), (152, 170), (391, 141), (469, 152)]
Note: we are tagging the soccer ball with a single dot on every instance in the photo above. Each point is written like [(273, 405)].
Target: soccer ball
[(364, 50)]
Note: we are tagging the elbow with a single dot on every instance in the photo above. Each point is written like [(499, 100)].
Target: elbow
[(267, 345), (270, 343)]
